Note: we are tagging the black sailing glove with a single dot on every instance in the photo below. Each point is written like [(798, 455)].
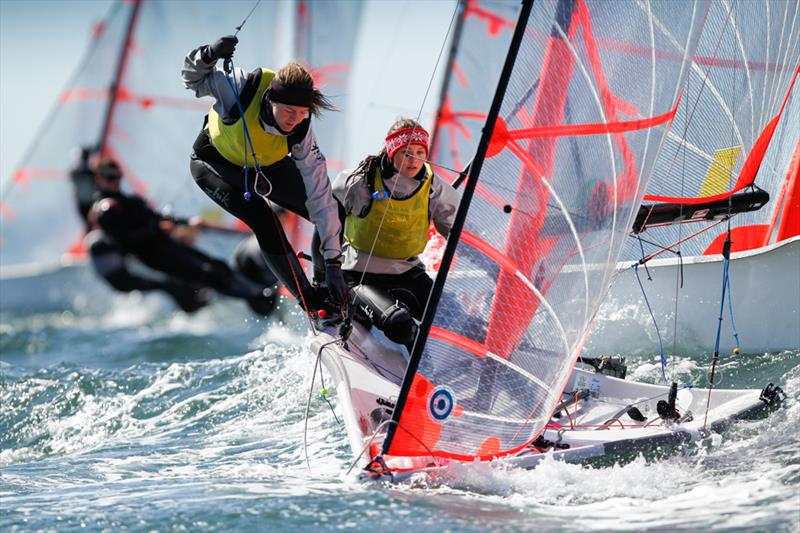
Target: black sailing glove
[(335, 281), (221, 48)]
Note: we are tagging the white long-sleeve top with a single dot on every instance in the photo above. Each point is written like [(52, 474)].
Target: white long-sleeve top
[(205, 79), (352, 191)]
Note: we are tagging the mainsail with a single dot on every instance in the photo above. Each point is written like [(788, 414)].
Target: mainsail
[(325, 39), (478, 48), (586, 97), (737, 125), (126, 96)]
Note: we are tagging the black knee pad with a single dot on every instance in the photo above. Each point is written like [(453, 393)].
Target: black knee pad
[(398, 325), (387, 314)]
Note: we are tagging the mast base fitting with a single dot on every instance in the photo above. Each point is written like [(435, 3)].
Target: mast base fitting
[(772, 395)]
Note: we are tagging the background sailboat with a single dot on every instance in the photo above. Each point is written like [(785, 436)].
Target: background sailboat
[(127, 97), (738, 124)]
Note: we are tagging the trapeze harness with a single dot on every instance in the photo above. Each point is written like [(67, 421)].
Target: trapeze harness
[(220, 146), (396, 229)]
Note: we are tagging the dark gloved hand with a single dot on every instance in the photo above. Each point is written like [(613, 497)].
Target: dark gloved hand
[(335, 281), (221, 48)]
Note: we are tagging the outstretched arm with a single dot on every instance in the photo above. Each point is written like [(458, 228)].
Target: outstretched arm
[(201, 75)]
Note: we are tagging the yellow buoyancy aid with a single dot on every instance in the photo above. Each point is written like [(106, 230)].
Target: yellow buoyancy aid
[(403, 233), (229, 139)]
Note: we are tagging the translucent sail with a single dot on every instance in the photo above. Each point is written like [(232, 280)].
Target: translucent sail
[(480, 47), (325, 40), (135, 59), (590, 99), (38, 218), (730, 130)]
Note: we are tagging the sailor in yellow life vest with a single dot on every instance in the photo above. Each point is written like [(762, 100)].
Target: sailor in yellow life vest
[(390, 200), (277, 114)]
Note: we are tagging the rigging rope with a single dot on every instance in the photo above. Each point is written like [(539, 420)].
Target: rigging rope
[(635, 268), (419, 114), (317, 363), (230, 71), (726, 251)]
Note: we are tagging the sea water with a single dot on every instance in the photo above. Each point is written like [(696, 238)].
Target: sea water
[(138, 418)]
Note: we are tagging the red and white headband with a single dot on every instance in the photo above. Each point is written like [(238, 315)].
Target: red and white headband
[(406, 137)]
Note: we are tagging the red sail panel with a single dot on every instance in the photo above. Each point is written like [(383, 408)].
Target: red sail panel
[(790, 218), (542, 234), (737, 122), (515, 304)]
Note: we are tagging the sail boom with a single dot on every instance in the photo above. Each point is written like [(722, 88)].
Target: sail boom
[(650, 215)]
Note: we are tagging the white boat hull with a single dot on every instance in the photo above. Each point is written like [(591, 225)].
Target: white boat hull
[(367, 375), (765, 285)]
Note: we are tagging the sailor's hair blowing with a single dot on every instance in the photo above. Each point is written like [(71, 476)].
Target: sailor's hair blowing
[(293, 85)]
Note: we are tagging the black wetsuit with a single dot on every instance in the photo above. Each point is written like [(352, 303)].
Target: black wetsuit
[(130, 227), (389, 301), (82, 177), (223, 182)]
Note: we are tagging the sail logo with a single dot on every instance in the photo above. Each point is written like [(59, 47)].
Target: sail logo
[(441, 404)]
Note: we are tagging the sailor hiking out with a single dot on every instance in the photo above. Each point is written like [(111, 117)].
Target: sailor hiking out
[(390, 200), (257, 139), (125, 226)]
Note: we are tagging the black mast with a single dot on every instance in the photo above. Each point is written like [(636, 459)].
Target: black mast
[(115, 84), (461, 215)]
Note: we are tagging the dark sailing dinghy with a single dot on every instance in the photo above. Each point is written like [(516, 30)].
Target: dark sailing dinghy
[(491, 376)]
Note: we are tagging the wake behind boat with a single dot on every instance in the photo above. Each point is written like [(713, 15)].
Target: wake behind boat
[(599, 418)]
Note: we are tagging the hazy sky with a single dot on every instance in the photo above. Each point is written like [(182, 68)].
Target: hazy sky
[(41, 43)]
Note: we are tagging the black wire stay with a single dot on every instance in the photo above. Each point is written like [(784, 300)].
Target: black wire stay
[(458, 224)]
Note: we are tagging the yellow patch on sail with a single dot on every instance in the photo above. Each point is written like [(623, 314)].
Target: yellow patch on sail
[(718, 178)]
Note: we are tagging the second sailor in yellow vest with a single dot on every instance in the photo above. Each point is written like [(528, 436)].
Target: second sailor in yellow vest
[(390, 199), (277, 113)]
